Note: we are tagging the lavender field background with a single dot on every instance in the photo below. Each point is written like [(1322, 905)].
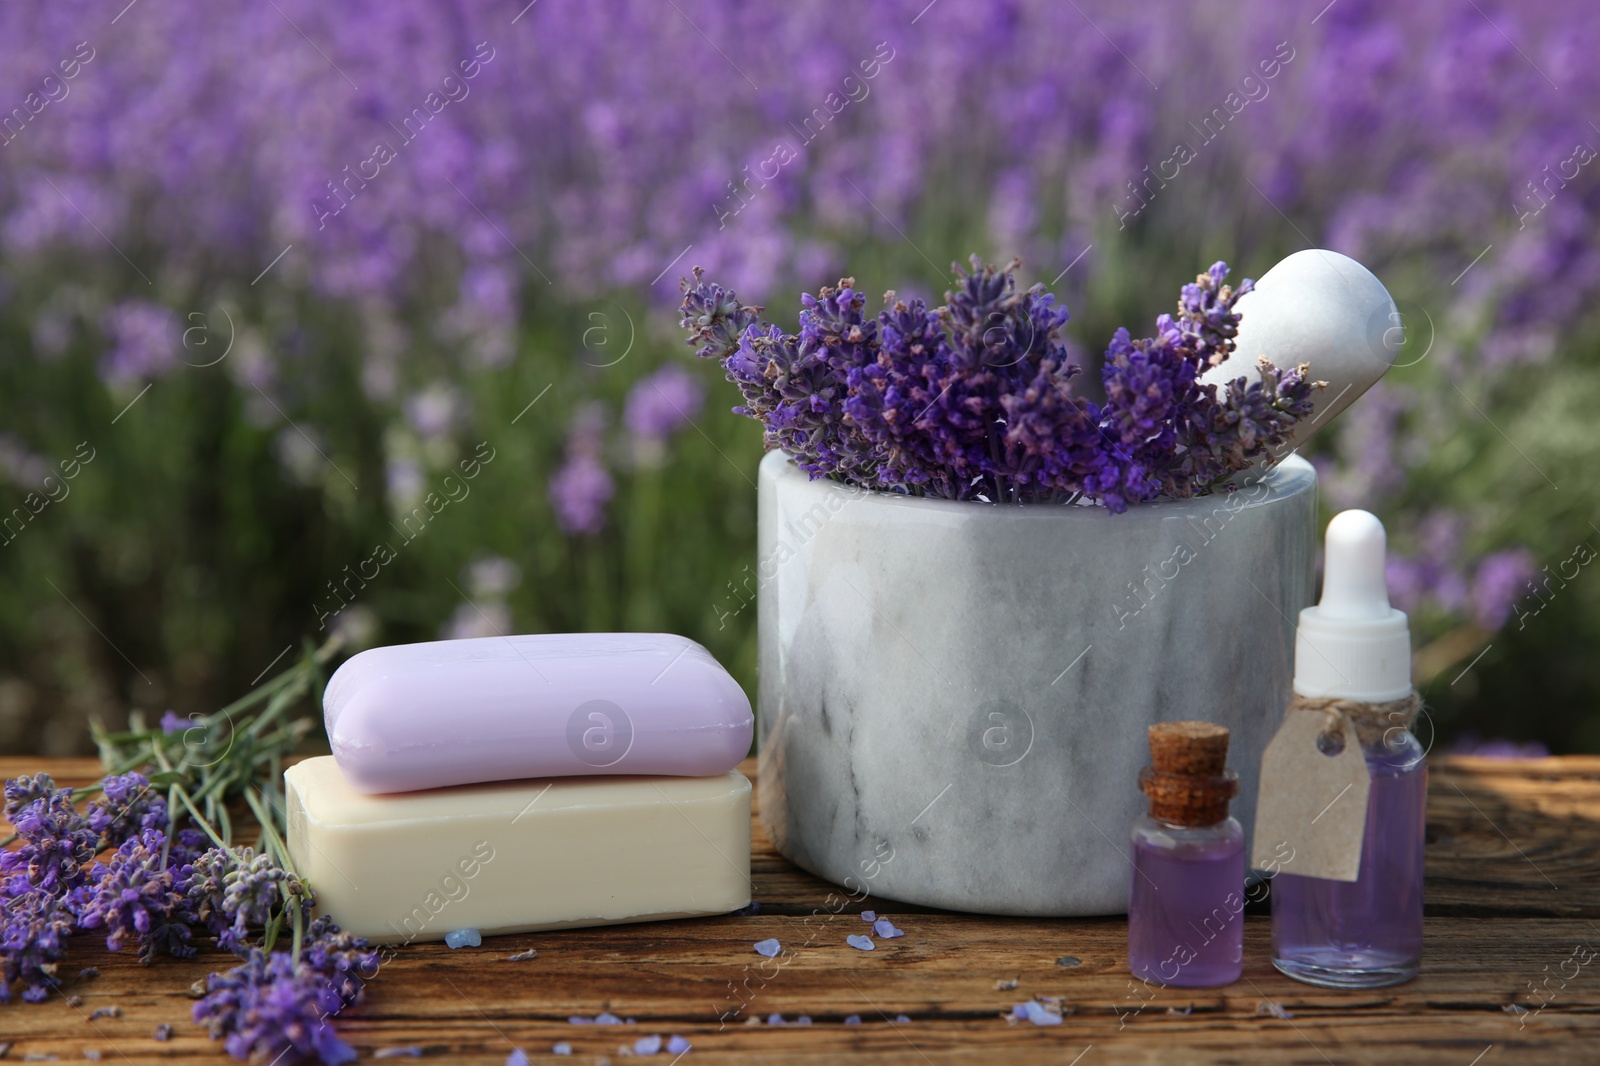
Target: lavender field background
[(361, 315)]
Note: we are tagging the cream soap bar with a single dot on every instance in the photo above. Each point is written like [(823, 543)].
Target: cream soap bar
[(519, 856)]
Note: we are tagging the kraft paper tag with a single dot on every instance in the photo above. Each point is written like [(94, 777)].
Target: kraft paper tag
[(1311, 808)]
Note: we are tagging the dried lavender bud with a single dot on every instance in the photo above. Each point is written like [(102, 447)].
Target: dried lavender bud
[(234, 890), (344, 961)]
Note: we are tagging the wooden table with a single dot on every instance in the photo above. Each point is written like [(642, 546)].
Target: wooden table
[(1513, 892)]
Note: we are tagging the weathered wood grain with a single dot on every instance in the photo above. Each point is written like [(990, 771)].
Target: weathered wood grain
[(1499, 937)]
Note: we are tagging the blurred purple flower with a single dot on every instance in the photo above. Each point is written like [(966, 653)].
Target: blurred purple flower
[(580, 490), (144, 338), (1470, 743), (661, 403), (579, 493), (1500, 579)]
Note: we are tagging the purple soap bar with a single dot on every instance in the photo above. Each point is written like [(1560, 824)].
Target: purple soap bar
[(455, 712)]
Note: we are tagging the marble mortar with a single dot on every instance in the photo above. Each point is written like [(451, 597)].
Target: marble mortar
[(953, 697)]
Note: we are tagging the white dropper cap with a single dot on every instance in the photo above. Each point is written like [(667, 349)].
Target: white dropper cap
[(1353, 645)]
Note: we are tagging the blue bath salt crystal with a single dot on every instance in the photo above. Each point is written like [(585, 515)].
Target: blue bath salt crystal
[(768, 947), (856, 940), (561, 1047), (677, 1045), (463, 938), (869, 916), (647, 1045), (885, 928), (518, 1057), (853, 1019)]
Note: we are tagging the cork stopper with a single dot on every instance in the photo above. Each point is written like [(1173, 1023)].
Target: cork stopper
[(1188, 781)]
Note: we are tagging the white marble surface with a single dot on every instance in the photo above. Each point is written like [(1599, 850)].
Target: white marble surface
[(954, 696)]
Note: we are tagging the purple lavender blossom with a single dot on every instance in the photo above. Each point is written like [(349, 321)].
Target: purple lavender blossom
[(22, 791), (34, 926), (974, 399), (660, 404), (269, 1009), (57, 843), (125, 808), (136, 899)]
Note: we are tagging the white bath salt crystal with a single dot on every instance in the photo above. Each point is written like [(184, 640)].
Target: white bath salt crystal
[(410, 1051), (518, 856), (862, 943), (769, 948), (677, 1045), (523, 956), (1005, 985), (463, 938), (1273, 1008)]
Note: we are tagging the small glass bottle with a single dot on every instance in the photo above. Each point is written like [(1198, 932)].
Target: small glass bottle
[(1355, 648), (1186, 901)]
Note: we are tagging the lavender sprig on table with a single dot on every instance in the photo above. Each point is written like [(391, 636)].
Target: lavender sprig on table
[(973, 399), (165, 883)]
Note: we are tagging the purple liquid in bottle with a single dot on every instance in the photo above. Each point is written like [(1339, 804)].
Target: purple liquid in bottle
[(1364, 933), (1186, 904)]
